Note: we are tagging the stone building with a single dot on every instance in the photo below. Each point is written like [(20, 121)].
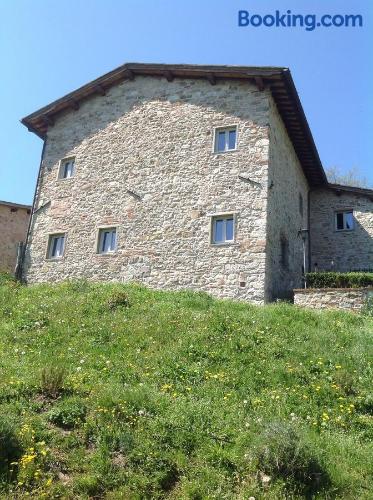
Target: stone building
[(14, 220), (198, 177)]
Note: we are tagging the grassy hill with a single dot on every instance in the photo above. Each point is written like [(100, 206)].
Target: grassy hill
[(112, 391)]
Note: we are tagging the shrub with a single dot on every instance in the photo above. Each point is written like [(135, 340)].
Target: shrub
[(10, 448), (339, 280), (282, 454), (52, 380), (347, 381), (118, 298), (68, 414)]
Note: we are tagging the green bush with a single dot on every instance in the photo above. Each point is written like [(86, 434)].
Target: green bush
[(118, 298), (10, 448), (339, 280), (283, 454), (52, 380), (68, 414)]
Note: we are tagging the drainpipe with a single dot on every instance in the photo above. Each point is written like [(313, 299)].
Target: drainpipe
[(304, 234), (24, 250), (304, 261), (309, 229)]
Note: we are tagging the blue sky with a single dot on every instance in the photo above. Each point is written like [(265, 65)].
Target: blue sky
[(49, 48)]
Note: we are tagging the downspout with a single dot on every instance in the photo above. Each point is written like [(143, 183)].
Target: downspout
[(21, 268), (309, 228)]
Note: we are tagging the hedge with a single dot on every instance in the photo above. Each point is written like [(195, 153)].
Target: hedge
[(339, 280)]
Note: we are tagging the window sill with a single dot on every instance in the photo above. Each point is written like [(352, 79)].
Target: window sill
[(108, 254), (54, 259), (225, 152), (227, 244), (344, 230)]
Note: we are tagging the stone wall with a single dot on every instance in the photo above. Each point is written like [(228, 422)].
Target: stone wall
[(348, 299), (155, 138), (286, 213), (14, 221), (333, 250)]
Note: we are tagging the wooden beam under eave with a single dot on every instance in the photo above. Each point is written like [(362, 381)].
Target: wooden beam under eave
[(169, 76), (129, 74), (74, 104), (48, 120), (100, 90), (259, 83), (211, 78)]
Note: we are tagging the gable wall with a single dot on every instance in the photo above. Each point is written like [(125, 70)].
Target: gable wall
[(155, 138), (346, 250)]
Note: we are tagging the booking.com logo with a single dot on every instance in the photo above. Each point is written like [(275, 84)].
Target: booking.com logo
[(308, 21)]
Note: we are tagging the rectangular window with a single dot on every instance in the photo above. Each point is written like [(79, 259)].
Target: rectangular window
[(67, 168), (344, 221), (225, 139), (107, 240), (222, 229), (56, 246)]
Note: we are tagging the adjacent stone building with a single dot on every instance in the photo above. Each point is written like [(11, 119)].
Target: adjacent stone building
[(343, 248), (176, 176), (14, 220)]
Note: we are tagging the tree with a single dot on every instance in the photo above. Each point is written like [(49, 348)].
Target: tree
[(351, 177)]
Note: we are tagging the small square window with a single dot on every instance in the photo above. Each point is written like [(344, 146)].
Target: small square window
[(67, 168), (56, 246), (107, 240), (225, 139), (222, 229), (344, 221)]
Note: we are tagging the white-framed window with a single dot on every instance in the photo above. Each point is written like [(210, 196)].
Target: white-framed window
[(56, 245), (107, 240), (344, 220), (222, 229), (225, 139), (67, 168)]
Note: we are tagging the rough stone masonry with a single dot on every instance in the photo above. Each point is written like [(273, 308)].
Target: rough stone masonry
[(145, 163)]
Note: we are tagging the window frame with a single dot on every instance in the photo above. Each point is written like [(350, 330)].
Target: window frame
[(99, 242), (344, 211), (51, 238), (225, 129), (222, 216), (62, 165)]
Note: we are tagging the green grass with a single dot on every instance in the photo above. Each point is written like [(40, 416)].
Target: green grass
[(113, 391)]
